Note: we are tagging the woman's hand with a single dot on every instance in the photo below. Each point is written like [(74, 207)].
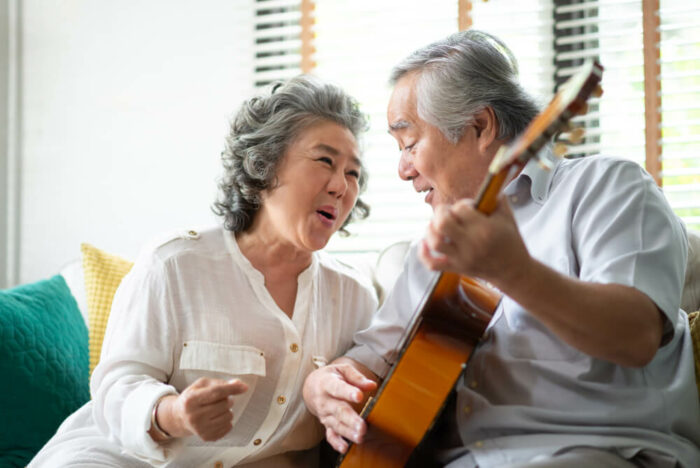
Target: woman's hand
[(333, 393), (205, 409)]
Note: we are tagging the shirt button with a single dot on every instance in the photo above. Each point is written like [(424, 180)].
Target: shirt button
[(478, 444), (257, 442), (281, 399), (467, 409), (473, 384), (514, 198), (294, 347), (218, 465)]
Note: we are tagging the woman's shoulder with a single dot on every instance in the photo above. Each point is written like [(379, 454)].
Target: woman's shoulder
[(181, 242)]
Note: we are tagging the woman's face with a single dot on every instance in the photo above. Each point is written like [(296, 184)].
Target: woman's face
[(317, 187)]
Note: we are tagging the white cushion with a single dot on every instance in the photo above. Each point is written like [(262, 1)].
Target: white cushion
[(73, 274)]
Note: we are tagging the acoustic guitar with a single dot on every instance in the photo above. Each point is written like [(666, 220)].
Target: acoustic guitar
[(456, 310)]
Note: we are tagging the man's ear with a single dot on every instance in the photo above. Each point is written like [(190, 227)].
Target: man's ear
[(486, 127)]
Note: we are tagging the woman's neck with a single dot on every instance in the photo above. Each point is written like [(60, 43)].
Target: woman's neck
[(273, 257)]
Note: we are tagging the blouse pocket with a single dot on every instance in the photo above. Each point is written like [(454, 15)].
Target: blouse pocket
[(223, 361)]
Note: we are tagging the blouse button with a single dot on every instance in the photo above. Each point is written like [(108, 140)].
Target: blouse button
[(294, 347), (281, 399), (257, 442)]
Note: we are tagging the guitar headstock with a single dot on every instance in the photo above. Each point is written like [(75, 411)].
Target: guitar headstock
[(571, 100)]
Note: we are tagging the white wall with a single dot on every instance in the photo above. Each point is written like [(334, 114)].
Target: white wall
[(4, 137), (124, 108)]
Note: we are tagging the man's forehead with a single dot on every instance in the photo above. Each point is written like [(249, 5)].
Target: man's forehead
[(401, 111)]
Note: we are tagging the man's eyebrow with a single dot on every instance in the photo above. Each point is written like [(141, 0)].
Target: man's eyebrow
[(331, 150), (398, 125)]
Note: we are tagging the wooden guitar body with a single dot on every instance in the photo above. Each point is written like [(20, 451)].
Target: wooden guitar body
[(455, 315)]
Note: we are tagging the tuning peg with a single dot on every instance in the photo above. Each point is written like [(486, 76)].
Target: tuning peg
[(598, 91), (560, 149), (576, 135)]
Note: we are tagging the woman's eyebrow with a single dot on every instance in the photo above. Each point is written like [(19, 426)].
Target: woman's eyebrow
[(334, 152)]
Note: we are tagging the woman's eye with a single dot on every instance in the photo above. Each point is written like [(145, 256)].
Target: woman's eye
[(326, 160), (355, 174), (409, 147)]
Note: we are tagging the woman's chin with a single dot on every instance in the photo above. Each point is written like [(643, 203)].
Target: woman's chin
[(318, 242)]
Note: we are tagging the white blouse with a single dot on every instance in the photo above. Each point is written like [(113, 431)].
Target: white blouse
[(193, 306)]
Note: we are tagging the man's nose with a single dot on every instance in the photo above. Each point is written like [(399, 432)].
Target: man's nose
[(406, 169)]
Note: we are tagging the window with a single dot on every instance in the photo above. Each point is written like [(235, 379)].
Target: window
[(357, 42), (680, 107), (649, 112)]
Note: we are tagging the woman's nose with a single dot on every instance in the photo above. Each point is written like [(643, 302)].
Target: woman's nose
[(337, 185)]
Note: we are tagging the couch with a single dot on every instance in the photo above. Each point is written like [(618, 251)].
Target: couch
[(51, 335)]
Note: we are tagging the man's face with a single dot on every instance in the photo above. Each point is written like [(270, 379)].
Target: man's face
[(445, 171)]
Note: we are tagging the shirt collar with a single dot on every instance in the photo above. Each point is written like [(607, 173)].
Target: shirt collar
[(538, 180)]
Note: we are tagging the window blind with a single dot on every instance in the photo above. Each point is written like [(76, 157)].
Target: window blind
[(526, 28), (277, 37), (357, 42), (680, 107)]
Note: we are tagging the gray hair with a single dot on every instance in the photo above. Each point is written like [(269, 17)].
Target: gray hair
[(463, 74), (262, 131)]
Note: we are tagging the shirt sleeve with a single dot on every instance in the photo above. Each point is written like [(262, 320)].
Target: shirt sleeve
[(376, 346), (625, 232), (136, 360)]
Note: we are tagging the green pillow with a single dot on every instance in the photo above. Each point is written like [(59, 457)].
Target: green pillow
[(43, 364)]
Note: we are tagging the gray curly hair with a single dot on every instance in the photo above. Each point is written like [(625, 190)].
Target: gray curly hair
[(460, 76), (262, 131)]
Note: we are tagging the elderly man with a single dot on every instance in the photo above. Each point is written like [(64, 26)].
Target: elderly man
[(588, 359)]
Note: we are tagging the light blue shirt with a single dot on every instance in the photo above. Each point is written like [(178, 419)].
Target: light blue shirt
[(525, 392)]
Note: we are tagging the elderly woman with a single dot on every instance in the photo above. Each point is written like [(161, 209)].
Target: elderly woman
[(212, 333)]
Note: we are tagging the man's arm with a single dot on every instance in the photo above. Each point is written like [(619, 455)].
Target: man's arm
[(608, 321), (335, 394)]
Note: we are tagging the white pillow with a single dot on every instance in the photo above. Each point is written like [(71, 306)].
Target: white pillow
[(73, 274)]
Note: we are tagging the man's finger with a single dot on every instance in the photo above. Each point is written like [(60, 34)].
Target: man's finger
[(432, 261), (338, 443), (348, 423), (357, 378), (341, 390)]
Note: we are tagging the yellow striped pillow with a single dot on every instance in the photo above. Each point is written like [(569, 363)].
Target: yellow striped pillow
[(103, 272)]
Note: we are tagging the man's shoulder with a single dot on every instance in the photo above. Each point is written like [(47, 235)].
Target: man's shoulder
[(598, 162), (589, 171)]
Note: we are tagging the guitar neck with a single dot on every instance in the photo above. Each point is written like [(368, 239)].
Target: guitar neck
[(487, 199)]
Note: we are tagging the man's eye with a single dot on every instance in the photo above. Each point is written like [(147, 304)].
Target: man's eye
[(409, 147), (326, 160)]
